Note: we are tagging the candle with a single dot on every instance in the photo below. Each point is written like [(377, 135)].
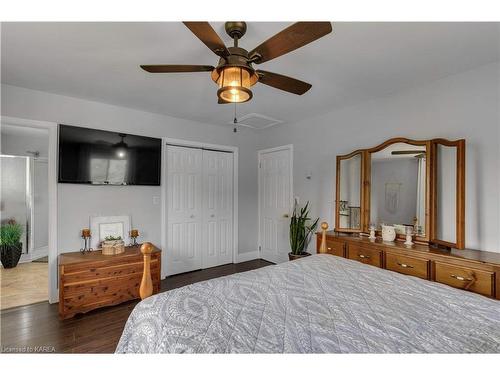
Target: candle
[(85, 232), (134, 233)]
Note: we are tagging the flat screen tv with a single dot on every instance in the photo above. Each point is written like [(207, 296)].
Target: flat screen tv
[(89, 156)]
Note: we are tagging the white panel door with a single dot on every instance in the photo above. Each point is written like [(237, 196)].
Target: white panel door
[(275, 197), (184, 207), (217, 208)]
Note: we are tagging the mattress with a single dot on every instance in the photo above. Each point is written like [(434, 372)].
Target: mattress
[(318, 304)]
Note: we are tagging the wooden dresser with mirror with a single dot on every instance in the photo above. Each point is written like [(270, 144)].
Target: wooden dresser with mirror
[(413, 187)]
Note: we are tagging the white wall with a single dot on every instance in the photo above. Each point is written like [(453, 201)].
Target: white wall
[(464, 105), (77, 202), (18, 144)]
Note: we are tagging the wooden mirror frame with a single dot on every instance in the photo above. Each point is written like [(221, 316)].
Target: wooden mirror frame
[(460, 193), (367, 184), (361, 192), (430, 189)]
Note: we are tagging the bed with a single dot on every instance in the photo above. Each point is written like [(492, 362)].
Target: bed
[(318, 304)]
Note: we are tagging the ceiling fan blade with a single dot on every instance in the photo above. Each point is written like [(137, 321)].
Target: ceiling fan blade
[(407, 152), (283, 82), (208, 36), (295, 36), (177, 68)]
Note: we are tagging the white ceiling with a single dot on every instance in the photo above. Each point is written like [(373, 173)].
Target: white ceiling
[(357, 62)]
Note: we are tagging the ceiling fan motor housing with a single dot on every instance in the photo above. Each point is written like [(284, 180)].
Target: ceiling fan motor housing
[(238, 58), (235, 29)]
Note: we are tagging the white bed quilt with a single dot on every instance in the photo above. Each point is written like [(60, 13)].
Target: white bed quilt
[(318, 304)]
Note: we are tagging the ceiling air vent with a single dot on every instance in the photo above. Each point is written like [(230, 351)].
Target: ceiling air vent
[(257, 121)]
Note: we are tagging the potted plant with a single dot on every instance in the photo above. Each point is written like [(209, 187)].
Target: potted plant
[(10, 243), (300, 232)]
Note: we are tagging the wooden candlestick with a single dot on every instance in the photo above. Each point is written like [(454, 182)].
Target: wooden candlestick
[(134, 233)]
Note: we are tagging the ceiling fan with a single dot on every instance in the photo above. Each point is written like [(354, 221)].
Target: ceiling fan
[(234, 74)]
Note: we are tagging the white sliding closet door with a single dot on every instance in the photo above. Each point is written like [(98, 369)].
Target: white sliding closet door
[(184, 205), (217, 208), (200, 209)]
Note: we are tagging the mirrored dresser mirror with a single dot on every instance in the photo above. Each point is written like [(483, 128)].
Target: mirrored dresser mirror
[(398, 188), (414, 186), (448, 195), (349, 182)]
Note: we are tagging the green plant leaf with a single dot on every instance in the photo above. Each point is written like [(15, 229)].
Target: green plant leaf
[(300, 231), (10, 233)]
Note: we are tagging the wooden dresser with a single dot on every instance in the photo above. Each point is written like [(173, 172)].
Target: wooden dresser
[(472, 270), (91, 280)]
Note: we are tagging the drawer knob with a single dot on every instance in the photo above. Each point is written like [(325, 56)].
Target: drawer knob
[(404, 265), (329, 248), (362, 256), (461, 278)]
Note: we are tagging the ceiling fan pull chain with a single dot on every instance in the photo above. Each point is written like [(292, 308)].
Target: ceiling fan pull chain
[(235, 120)]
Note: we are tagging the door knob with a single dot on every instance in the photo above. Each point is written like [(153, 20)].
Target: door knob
[(212, 215), (192, 216), (285, 215)]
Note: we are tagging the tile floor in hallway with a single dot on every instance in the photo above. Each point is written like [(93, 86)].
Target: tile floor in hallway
[(24, 284)]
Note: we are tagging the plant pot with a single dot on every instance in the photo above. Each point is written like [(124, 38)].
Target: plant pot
[(10, 255), (297, 256)]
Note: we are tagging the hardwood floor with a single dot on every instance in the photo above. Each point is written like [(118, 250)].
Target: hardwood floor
[(37, 328)]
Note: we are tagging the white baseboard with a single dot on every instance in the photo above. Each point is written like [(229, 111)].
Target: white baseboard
[(40, 252), (34, 254), (245, 257)]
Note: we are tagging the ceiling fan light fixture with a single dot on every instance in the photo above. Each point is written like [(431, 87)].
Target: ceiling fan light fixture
[(121, 147), (234, 83)]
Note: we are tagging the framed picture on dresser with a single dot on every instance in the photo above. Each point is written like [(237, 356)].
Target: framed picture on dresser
[(104, 226)]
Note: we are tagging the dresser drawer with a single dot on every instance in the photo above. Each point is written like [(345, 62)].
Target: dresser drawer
[(471, 279), (407, 265), (335, 248), (104, 272), (365, 255)]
